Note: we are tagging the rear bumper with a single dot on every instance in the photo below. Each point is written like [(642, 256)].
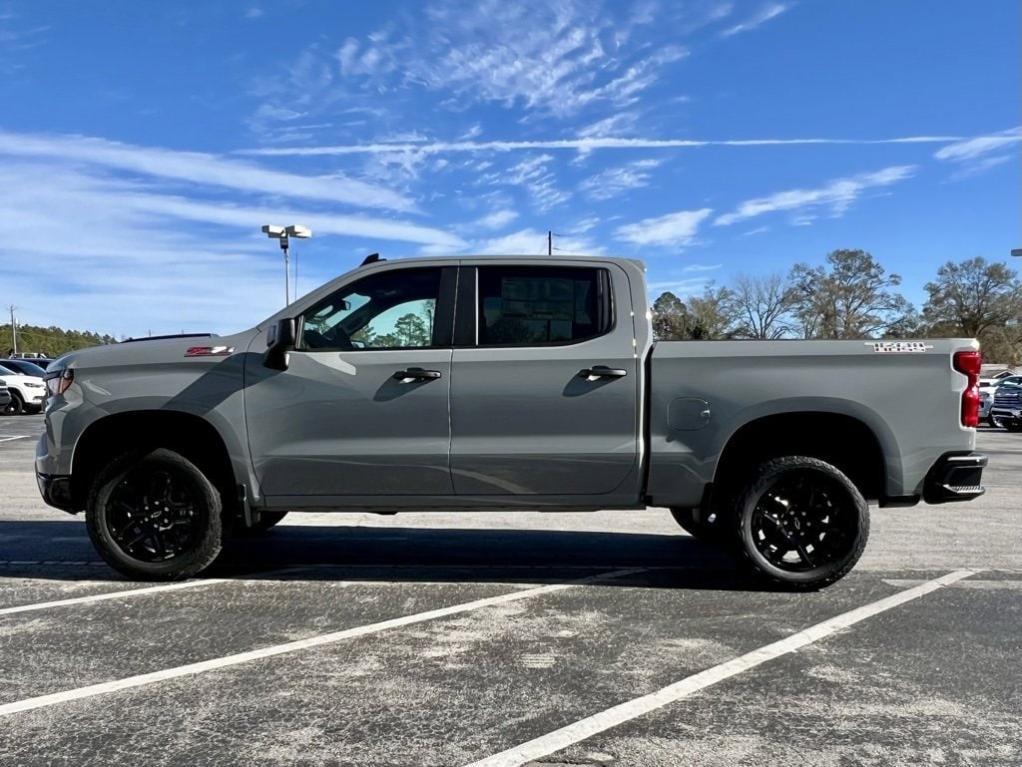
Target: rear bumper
[(955, 477), (56, 491)]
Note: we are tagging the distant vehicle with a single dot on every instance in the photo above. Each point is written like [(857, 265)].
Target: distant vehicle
[(990, 388), (995, 380), (24, 367), (27, 392), (504, 383), (1007, 409), (986, 404)]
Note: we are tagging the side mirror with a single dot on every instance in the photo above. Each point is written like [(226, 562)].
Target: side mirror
[(279, 341)]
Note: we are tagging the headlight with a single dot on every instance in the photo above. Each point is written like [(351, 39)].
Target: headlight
[(33, 385), (58, 383)]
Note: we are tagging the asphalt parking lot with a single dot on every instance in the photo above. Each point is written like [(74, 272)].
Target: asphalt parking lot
[(506, 639)]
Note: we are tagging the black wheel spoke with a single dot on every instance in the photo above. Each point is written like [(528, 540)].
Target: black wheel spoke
[(801, 549), (153, 515), (798, 523)]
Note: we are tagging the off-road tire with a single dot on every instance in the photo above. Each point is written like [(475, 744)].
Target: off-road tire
[(845, 495), (208, 530)]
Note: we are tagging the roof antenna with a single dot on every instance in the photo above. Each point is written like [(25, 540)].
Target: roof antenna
[(372, 258)]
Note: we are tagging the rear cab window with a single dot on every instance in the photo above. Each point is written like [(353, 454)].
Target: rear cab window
[(542, 305)]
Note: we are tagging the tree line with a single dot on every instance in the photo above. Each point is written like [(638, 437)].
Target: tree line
[(51, 341), (853, 296)]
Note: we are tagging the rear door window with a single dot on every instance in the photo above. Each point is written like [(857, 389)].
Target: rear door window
[(542, 305)]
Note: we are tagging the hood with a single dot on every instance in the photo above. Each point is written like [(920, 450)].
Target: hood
[(156, 350)]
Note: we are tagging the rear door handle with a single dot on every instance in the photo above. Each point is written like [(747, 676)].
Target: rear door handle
[(416, 374), (602, 371)]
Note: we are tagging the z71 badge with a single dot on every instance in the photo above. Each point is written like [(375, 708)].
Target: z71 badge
[(899, 346)]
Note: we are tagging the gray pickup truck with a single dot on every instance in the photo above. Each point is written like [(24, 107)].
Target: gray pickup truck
[(503, 383)]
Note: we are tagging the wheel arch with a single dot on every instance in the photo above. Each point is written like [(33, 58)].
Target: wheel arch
[(841, 439), (188, 434)]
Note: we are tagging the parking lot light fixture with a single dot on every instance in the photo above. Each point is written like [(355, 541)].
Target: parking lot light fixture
[(284, 235), (1017, 252)]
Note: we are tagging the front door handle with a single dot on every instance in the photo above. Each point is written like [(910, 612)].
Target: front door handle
[(416, 374), (602, 371)]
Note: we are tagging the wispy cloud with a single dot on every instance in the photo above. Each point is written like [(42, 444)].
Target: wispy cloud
[(763, 15), (201, 168), (116, 250), (612, 182), (533, 175), (587, 144), (837, 196), (532, 242), (702, 267), (552, 57), (977, 154), (498, 219), (674, 229)]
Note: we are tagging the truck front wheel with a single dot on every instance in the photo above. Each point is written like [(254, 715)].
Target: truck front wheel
[(801, 522), (154, 517)]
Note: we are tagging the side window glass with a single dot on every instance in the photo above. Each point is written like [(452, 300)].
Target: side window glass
[(395, 309), (536, 306)]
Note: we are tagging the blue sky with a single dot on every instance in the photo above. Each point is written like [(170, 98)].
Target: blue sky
[(143, 144)]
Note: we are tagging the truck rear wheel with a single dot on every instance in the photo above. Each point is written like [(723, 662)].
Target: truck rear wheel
[(801, 522), (154, 517)]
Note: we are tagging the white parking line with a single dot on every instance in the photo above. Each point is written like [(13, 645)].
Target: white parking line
[(11, 439), (213, 664), (109, 595), (632, 709)]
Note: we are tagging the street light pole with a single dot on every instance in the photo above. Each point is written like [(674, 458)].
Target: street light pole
[(287, 270), (284, 234), (14, 332)]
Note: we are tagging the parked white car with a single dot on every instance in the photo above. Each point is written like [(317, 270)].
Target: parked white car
[(28, 393)]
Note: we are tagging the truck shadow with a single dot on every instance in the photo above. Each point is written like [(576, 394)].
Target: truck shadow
[(406, 555)]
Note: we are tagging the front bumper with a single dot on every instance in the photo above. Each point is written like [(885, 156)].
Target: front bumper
[(1002, 414), (955, 477), (56, 491)]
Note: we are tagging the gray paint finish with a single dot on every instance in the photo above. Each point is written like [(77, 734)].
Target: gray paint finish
[(513, 427)]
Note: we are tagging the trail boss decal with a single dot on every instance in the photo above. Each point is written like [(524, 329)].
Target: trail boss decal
[(899, 346)]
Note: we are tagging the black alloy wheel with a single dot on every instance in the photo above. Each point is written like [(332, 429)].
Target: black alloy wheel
[(155, 517), (802, 522), (153, 514)]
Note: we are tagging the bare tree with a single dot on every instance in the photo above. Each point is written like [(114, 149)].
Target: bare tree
[(972, 296), (762, 306), (851, 297)]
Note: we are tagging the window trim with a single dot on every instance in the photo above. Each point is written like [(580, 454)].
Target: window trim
[(469, 300), (444, 312)]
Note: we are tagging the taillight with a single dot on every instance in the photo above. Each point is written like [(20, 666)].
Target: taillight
[(969, 363), (58, 384)]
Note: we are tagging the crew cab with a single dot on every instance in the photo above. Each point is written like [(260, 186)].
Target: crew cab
[(504, 383)]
